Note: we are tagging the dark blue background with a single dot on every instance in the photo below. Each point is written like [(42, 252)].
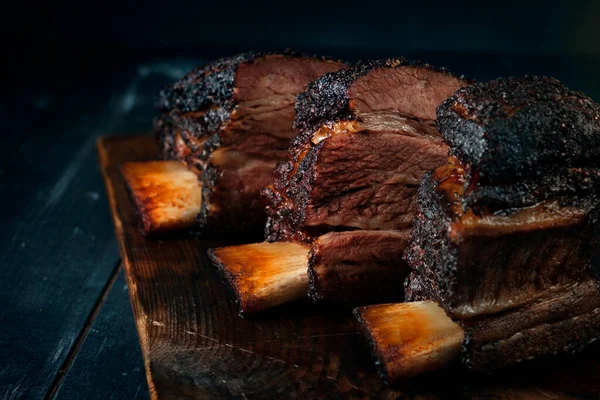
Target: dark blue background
[(551, 26)]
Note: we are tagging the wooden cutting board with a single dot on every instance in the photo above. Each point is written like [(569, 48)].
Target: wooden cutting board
[(195, 345)]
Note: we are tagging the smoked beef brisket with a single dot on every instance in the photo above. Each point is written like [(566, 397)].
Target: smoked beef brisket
[(506, 232), (231, 123), (366, 136)]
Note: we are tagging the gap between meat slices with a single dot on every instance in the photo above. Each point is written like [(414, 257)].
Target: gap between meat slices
[(263, 275), (166, 195), (408, 339)]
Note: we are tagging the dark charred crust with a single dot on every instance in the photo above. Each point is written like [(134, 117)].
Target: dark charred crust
[(326, 99), (190, 126), (205, 124), (523, 148), (428, 247), (205, 86), (572, 185), (521, 127), (292, 188), (212, 84), (594, 266)]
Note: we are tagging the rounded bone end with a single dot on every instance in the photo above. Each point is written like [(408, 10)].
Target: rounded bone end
[(263, 275), (409, 339), (166, 195)]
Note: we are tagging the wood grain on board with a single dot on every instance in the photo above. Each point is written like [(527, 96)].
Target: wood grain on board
[(195, 345)]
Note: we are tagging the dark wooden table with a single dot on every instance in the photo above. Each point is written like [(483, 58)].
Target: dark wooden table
[(66, 326)]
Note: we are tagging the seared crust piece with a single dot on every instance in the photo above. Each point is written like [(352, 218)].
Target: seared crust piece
[(521, 127), (231, 123), (366, 136)]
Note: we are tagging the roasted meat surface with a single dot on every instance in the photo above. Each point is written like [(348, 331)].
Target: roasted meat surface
[(366, 137), (506, 232), (231, 123)]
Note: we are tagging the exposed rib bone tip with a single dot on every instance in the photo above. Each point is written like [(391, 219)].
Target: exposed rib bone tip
[(166, 195), (408, 339), (264, 275)]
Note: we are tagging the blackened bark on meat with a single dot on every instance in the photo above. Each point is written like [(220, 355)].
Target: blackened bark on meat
[(212, 84), (557, 181), (521, 127), (427, 247)]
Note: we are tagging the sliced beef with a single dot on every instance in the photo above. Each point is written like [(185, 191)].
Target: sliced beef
[(366, 137), (358, 266), (505, 233), (231, 122)]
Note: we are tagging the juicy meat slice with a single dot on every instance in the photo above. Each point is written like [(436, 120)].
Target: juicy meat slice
[(358, 180), (358, 266), (412, 89), (231, 122), (353, 189), (366, 137)]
